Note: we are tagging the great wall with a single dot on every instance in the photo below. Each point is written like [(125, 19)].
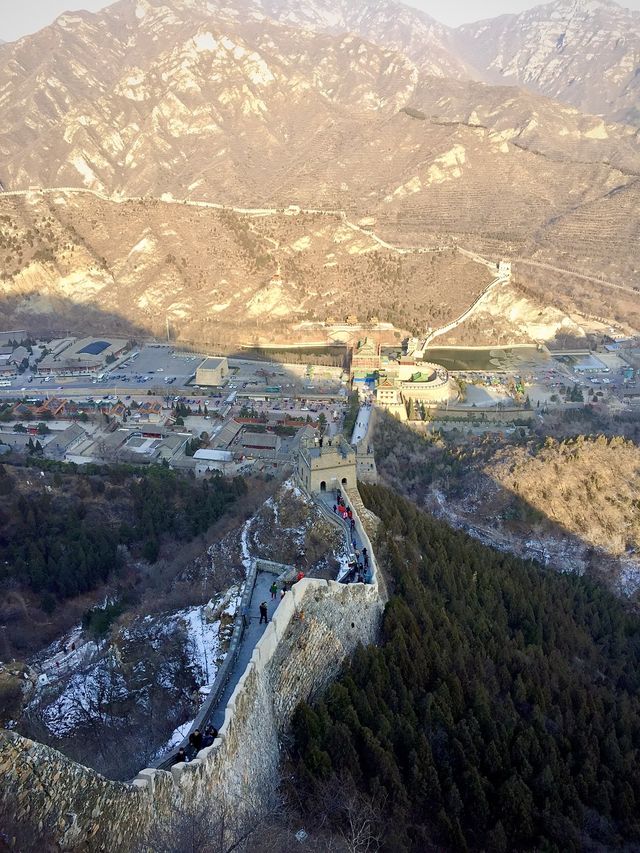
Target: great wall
[(317, 625)]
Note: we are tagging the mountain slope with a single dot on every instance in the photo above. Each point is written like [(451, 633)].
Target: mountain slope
[(472, 714), (584, 52), (216, 275), (175, 90), (387, 23), (186, 100)]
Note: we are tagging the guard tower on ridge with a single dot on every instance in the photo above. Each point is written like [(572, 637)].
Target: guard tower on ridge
[(326, 464)]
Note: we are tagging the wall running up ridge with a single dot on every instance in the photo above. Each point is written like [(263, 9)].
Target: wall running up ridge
[(316, 626)]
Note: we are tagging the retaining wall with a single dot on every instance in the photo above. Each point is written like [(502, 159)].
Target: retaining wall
[(316, 626)]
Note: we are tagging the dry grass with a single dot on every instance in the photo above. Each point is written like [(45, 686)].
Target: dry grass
[(589, 487)]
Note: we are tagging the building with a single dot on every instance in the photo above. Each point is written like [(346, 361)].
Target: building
[(260, 443), (172, 446), (63, 440), (81, 358), (421, 382), (227, 435), (387, 394), (208, 460), (430, 385), (212, 372), (149, 411), (327, 466), (19, 355), (365, 357)]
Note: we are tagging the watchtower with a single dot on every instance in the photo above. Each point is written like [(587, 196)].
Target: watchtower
[(326, 464)]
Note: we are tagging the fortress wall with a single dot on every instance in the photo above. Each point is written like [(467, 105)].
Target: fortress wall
[(316, 626), (59, 797)]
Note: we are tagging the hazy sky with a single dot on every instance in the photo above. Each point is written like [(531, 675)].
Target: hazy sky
[(18, 17)]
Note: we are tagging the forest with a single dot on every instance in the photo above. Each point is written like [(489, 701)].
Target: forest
[(500, 711), (65, 537)]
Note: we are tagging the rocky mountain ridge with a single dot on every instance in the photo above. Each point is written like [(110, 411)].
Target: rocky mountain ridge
[(197, 100), (583, 52)]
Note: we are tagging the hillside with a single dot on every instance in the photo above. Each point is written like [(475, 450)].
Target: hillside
[(218, 276), (587, 487), (126, 671), (68, 534), (569, 502), (582, 52), (187, 100), (390, 24), (500, 712)]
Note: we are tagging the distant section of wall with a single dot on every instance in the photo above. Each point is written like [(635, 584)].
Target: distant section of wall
[(316, 626)]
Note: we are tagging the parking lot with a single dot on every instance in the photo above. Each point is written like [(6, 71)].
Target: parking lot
[(293, 379), (155, 366)]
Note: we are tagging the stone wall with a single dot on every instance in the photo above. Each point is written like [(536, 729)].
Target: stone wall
[(316, 626)]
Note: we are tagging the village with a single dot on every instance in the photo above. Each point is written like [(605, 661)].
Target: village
[(92, 401)]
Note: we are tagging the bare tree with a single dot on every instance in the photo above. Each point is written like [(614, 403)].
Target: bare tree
[(218, 826), (340, 818)]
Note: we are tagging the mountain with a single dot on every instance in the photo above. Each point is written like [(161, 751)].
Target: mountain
[(583, 52), (185, 100), (387, 23), (150, 97)]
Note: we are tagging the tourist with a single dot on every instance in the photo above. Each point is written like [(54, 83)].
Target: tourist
[(299, 576), (195, 740), (181, 755), (283, 592), (273, 589), (264, 613), (335, 508), (210, 734)]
